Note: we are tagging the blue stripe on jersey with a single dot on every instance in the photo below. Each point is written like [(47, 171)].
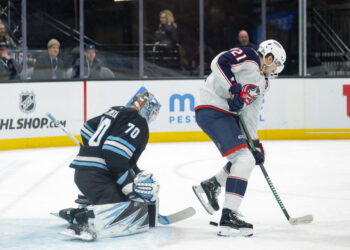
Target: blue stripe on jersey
[(224, 64), (121, 180), (252, 55), (89, 164), (86, 125), (236, 186), (115, 150), (122, 141), (84, 135)]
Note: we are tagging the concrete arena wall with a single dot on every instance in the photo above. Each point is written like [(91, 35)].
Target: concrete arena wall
[(292, 109)]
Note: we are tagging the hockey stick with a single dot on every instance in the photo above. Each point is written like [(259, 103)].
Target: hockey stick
[(175, 217), (294, 221), (57, 123), (162, 219)]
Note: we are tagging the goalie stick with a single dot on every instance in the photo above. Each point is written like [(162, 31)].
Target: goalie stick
[(162, 219), (294, 221)]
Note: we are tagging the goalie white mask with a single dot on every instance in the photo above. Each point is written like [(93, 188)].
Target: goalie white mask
[(147, 105), (276, 50)]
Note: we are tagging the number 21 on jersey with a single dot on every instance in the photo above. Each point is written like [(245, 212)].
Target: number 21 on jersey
[(238, 54)]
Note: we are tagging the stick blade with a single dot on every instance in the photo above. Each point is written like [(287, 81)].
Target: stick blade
[(179, 216), (301, 220)]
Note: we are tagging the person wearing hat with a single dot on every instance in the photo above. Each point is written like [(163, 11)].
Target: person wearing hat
[(49, 66), (9, 68), (92, 65)]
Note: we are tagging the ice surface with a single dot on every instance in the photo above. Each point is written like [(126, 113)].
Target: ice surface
[(311, 177)]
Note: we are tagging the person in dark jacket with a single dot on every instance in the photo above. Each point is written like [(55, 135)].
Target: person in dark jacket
[(92, 65), (9, 68), (166, 34), (244, 41), (49, 66)]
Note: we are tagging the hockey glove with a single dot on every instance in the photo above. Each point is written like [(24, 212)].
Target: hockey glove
[(242, 96), (144, 188), (259, 153), (235, 103)]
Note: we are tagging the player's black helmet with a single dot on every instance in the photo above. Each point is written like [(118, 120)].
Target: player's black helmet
[(147, 105)]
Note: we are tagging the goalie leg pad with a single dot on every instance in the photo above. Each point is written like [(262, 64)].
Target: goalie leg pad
[(119, 219)]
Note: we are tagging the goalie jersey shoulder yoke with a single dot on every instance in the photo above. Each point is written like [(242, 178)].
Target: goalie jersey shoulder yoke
[(113, 141)]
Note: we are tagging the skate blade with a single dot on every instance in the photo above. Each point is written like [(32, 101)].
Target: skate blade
[(58, 216), (232, 232), (199, 192), (85, 236)]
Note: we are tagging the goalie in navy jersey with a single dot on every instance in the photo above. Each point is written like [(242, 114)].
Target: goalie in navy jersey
[(238, 82), (116, 192)]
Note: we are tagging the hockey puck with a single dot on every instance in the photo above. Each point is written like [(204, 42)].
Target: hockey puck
[(213, 223)]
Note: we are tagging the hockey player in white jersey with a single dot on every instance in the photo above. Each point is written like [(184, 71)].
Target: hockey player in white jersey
[(238, 82)]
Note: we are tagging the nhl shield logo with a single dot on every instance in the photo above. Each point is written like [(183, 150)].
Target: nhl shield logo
[(27, 102)]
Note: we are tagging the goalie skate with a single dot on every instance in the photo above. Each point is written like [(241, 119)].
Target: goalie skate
[(79, 232)]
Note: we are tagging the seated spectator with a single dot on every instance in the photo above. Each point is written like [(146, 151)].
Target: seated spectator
[(92, 65), (9, 68), (166, 34), (49, 66), (5, 38), (243, 39)]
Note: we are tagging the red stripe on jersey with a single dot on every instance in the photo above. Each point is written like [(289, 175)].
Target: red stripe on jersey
[(213, 107), (244, 145)]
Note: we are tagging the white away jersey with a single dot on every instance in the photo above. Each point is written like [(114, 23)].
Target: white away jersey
[(229, 68)]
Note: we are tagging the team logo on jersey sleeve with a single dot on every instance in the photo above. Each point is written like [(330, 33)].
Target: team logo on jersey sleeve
[(249, 93), (27, 102)]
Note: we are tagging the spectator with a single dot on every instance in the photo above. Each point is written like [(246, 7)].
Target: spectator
[(9, 68), (92, 65), (5, 38), (49, 66), (166, 34), (243, 39)]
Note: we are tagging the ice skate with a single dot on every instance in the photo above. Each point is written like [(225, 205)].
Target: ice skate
[(81, 232), (210, 189), (231, 225), (68, 214)]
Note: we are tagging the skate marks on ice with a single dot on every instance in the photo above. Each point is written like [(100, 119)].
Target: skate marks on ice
[(25, 189), (44, 234)]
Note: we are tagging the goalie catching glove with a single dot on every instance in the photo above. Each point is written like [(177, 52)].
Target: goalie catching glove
[(144, 188)]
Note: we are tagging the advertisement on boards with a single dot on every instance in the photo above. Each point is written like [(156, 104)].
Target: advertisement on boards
[(24, 108), (178, 99)]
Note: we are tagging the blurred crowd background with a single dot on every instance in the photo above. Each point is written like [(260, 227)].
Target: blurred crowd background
[(137, 39)]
